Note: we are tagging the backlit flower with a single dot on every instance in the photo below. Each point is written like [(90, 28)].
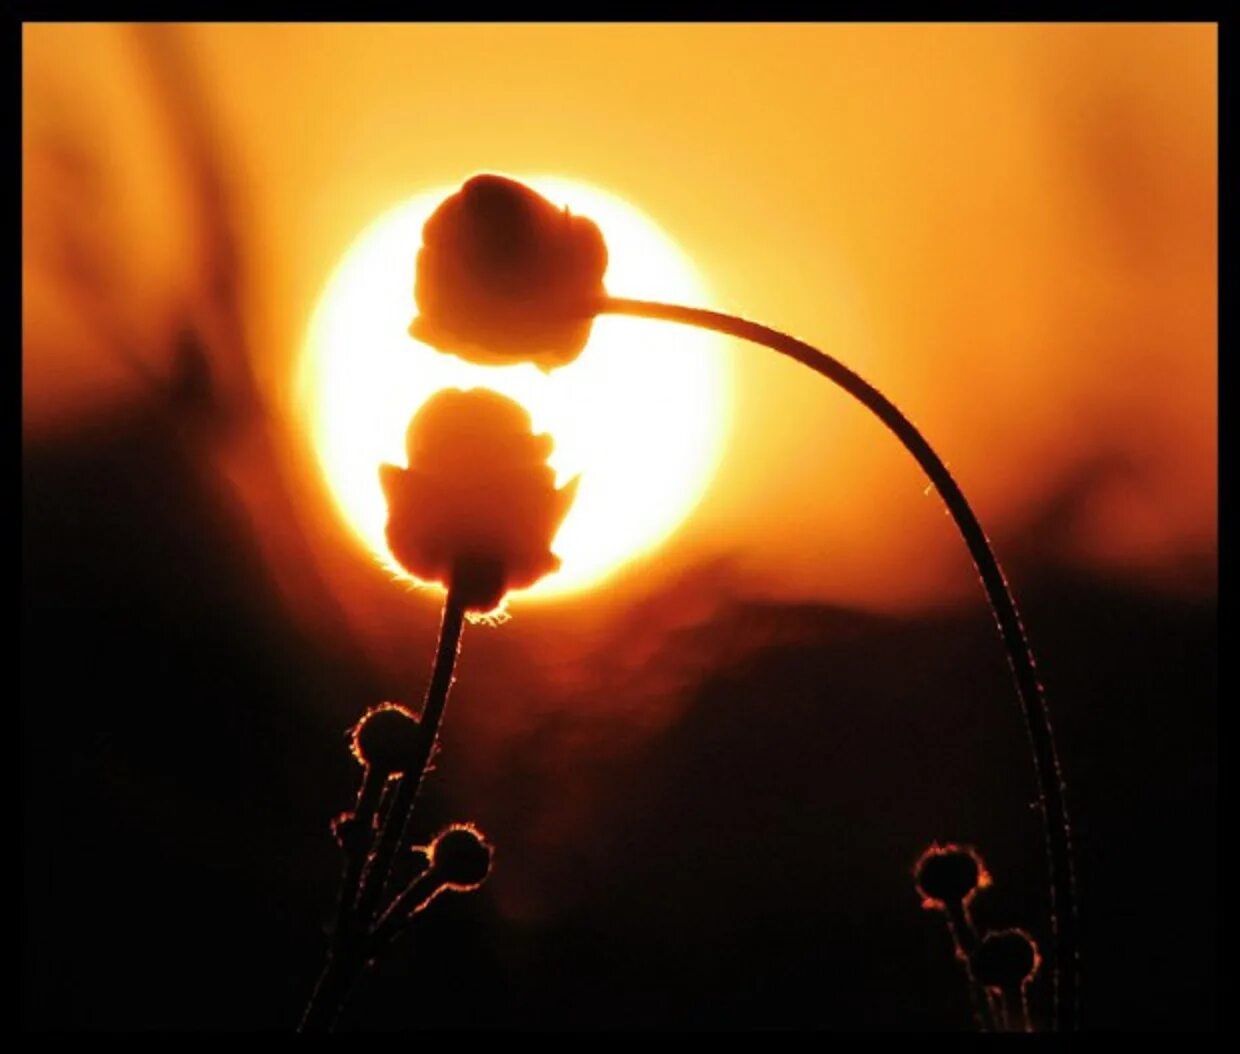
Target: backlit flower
[(477, 509), (505, 276)]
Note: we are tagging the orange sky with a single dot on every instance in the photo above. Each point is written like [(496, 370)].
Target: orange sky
[(1009, 229)]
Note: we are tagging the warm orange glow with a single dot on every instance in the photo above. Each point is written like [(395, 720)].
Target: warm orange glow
[(641, 415), (1010, 229)]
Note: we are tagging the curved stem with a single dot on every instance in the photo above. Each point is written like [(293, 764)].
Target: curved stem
[(965, 942), (1037, 720)]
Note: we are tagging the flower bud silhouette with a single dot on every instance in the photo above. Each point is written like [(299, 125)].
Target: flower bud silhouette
[(387, 739), (947, 878), (460, 857), (1004, 964), (501, 278), (477, 509), (1007, 960), (504, 275), (948, 875)]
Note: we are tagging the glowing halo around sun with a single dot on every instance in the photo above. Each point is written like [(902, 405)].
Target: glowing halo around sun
[(642, 415)]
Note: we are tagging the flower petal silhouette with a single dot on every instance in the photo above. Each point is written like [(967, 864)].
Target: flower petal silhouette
[(477, 509), (505, 276)]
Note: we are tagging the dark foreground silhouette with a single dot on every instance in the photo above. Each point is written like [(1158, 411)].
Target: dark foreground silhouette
[(747, 864)]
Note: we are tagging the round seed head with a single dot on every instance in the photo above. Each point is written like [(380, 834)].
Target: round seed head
[(387, 739), (1006, 959), (461, 857), (949, 874)]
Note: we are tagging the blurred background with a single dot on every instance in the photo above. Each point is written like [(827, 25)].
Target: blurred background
[(707, 778)]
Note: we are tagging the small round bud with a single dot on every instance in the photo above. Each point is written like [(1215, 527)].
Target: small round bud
[(460, 857), (949, 874), (387, 739), (347, 829), (1006, 959)]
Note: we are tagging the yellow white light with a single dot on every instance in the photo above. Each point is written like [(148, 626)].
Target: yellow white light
[(641, 415)]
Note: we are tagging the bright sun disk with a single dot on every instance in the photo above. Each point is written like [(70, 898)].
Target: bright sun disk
[(641, 415)]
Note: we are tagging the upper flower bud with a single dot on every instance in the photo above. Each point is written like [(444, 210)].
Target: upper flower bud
[(387, 738), (949, 874), (505, 276), (477, 509)]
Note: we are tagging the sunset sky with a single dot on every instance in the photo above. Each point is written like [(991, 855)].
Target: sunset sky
[(708, 773), (1010, 229)]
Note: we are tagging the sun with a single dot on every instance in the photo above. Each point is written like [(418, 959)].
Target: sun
[(642, 415)]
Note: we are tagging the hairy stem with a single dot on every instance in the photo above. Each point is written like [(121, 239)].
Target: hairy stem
[(332, 984), (358, 843), (1037, 721), (965, 941), (330, 993), (1018, 1016), (349, 955), (415, 897), (397, 821)]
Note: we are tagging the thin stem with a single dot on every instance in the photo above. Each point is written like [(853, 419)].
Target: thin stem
[(347, 960), (332, 985), (1037, 721), (1015, 1009), (998, 1013), (358, 843), (397, 821), (330, 993), (965, 940), (415, 897), (1021, 1011)]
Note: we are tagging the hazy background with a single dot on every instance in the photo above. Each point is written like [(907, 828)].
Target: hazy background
[(708, 780)]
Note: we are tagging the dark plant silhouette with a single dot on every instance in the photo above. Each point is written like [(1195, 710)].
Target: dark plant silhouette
[(1000, 964), (507, 275), (477, 508), (503, 275), (1005, 963), (476, 511), (948, 877)]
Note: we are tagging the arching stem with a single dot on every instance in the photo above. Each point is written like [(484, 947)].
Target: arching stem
[(1037, 720)]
